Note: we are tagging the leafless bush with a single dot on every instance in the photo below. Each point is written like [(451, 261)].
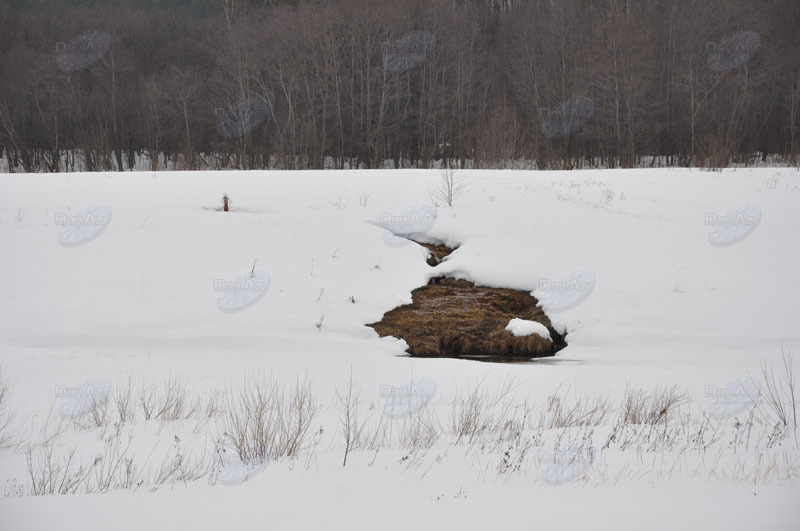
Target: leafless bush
[(14, 488), (174, 402), (123, 400), (450, 187), (51, 430), (98, 414), (148, 398), (114, 468), (171, 403), (779, 390), (347, 402), (182, 466), (642, 407), (214, 408), (297, 417), (7, 438), (250, 422), (263, 421), (50, 474), (170, 470)]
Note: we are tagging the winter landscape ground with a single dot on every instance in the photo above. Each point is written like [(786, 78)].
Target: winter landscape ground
[(168, 365)]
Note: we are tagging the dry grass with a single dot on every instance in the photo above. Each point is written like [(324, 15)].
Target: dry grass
[(640, 406), (455, 318), (480, 411), (568, 411), (214, 404), (779, 390), (654, 437), (420, 429)]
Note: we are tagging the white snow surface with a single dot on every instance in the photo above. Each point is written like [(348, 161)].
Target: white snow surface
[(523, 327), (140, 298)]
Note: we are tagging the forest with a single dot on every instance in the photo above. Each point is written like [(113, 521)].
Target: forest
[(305, 84)]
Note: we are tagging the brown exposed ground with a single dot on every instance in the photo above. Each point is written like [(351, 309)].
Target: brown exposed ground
[(456, 319)]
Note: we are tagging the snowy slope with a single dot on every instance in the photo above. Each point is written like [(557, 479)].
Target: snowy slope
[(666, 306)]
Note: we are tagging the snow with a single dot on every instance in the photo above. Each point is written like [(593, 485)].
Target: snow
[(654, 295), (522, 327)]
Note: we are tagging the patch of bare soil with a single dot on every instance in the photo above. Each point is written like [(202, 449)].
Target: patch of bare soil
[(457, 319)]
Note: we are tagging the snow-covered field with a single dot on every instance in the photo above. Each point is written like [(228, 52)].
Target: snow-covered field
[(676, 285)]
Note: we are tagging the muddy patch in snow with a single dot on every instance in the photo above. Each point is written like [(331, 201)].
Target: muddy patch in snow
[(452, 318)]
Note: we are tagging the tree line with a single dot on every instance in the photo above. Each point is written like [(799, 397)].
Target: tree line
[(364, 83)]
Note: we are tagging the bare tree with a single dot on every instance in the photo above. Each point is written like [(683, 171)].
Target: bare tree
[(348, 402), (451, 186)]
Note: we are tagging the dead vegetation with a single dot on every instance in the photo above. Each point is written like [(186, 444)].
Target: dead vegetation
[(7, 438), (457, 319), (649, 433)]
